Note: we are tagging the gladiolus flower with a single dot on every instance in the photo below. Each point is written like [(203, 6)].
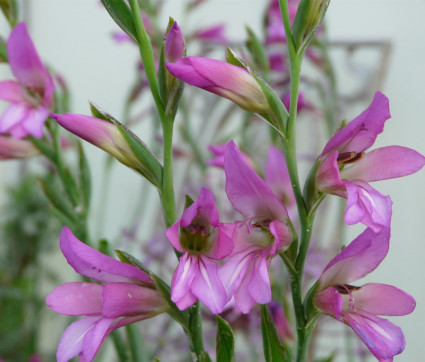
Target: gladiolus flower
[(358, 307), (31, 97), (202, 239), (128, 296), (213, 34), (263, 235), (345, 169), (174, 46), (12, 148), (227, 80)]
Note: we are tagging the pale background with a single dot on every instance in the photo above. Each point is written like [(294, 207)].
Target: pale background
[(74, 36)]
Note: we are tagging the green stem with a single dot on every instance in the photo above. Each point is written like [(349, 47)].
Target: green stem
[(196, 329), (146, 53), (167, 192)]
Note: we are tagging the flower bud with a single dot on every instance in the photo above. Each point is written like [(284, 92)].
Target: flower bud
[(12, 148)]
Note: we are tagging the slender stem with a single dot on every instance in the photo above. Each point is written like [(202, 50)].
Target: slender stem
[(146, 53), (167, 192)]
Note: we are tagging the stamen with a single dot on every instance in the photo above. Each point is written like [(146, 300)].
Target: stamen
[(349, 157), (346, 289)]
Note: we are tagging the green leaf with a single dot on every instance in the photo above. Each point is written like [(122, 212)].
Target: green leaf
[(3, 51), (232, 58), (85, 177), (204, 357), (225, 342), (151, 168), (98, 113), (57, 200), (257, 51), (310, 309), (273, 350), (10, 11), (121, 14), (325, 359)]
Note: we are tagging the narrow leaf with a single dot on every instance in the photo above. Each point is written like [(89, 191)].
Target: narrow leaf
[(273, 350), (121, 14), (225, 342), (85, 177)]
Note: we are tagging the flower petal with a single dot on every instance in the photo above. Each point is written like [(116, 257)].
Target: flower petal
[(247, 192), (34, 121), (277, 177), (76, 299), (328, 177), (385, 163), (383, 299), (203, 210), (330, 301), (366, 205), (12, 116), (93, 264), (282, 236), (359, 258), (127, 299), (383, 338), (95, 337), (207, 286), (182, 281), (24, 61), (71, 343), (223, 243), (259, 285), (12, 91), (361, 132)]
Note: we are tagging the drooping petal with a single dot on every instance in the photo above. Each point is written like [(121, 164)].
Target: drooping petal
[(233, 271), (24, 61), (330, 301), (328, 176), (383, 338), (361, 132), (383, 299), (127, 299), (385, 163), (93, 264), (247, 192), (95, 337), (282, 236), (12, 91), (207, 286), (367, 205), (259, 284), (277, 177), (76, 299), (359, 258), (182, 281), (243, 299), (71, 343)]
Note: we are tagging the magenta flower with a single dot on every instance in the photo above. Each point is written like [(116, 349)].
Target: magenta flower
[(174, 45), (227, 80), (127, 297), (31, 97), (274, 24), (12, 148), (358, 307), (346, 170), (202, 239), (263, 235)]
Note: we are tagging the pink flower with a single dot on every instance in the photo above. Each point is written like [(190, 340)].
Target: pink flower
[(127, 297), (202, 239), (346, 170), (226, 80), (31, 97), (174, 45), (263, 235), (213, 34), (358, 307), (11, 148)]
